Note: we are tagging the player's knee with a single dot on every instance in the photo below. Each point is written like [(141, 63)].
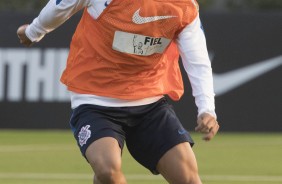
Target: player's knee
[(109, 175), (192, 177)]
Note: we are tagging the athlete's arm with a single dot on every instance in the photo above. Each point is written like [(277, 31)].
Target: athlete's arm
[(193, 50), (194, 55), (55, 13)]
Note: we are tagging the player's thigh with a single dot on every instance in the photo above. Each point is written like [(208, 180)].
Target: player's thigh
[(100, 139), (159, 131), (104, 154), (179, 164)]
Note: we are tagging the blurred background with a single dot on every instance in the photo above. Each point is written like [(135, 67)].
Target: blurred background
[(244, 39), (28, 6)]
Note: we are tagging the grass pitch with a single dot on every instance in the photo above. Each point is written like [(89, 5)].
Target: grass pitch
[(52, 157)]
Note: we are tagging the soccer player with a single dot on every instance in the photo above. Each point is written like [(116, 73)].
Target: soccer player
[(123, 61)]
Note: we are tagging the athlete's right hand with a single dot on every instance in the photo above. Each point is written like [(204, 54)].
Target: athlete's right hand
[(22, 36)]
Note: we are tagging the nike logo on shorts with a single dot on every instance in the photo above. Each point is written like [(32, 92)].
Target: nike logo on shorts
[(138, 19), (182, 131)]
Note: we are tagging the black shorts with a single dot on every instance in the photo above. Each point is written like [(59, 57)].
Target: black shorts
[(148, 130)]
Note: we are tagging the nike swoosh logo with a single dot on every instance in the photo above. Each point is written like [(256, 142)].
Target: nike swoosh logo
[(228, 81), (106, 4), (137, 19), (58, 2), (182, 131)]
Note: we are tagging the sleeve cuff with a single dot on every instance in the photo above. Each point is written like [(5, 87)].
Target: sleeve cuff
[(211, 112), (206, 104), (33, 34)]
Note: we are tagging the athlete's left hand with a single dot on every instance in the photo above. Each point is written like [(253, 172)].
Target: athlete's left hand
[(207, 125), (22, 36)]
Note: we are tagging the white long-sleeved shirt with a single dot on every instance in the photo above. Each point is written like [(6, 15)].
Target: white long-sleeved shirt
[(191, 43)]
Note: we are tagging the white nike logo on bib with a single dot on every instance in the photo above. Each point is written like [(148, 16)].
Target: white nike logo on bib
[(137, 19)]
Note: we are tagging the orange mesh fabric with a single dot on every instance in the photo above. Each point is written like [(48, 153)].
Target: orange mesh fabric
[(94, 67)]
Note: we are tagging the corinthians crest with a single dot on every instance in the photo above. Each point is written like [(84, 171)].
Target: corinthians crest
[(84, 135)]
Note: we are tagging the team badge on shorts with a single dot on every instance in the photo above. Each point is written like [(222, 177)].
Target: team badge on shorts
[(84, 135)]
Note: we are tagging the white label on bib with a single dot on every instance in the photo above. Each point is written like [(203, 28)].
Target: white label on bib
[(139, 44)]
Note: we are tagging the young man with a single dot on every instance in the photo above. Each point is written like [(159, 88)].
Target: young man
[(123, 59)]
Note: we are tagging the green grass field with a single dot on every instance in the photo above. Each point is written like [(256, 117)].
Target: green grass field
[(32, 157)]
